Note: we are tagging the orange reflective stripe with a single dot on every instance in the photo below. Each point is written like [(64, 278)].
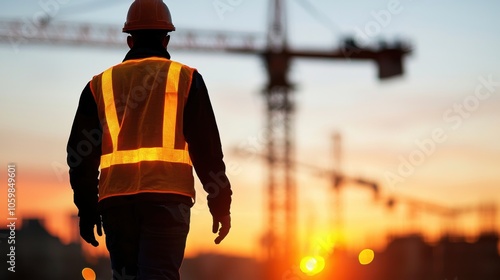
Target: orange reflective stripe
[(170, 111), (110, 107), (144, 154)]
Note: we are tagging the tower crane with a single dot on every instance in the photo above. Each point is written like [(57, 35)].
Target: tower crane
[(486, 212), (277, 56), (335, 177), (416, 205)]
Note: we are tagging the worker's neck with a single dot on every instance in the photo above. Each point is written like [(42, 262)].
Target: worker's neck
[(138, 52)]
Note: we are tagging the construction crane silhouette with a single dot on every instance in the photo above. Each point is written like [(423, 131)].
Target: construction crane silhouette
[(338, 179), (277, 56), (486, 212), (335, 176), (417, 206)]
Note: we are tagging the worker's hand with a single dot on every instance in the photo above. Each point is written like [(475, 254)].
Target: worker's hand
[(225, 226), (87, 223)]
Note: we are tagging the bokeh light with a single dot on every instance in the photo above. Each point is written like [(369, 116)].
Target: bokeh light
[(366, 256), (88, 274)]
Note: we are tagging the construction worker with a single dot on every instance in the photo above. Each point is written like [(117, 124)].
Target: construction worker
[(145, 123)]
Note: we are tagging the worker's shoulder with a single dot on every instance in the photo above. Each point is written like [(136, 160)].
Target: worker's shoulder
[(185, 65), (107, 69)]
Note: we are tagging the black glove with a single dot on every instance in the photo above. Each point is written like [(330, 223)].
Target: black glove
[(87, 223), (225, 226)]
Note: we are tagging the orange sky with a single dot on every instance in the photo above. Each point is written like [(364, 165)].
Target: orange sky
[(46, 193)]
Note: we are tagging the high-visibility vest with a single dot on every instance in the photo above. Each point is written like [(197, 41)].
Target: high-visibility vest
[(140, 104)]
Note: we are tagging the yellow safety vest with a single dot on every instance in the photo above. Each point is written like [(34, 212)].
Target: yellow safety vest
[(140, 104)]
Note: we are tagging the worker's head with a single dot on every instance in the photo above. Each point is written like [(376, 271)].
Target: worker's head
[(148, 23), (148, 39)]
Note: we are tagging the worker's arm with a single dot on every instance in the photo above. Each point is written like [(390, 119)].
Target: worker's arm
[(83, 158), (202, 136)]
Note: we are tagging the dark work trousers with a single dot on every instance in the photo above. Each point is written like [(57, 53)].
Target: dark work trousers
[(146, 240)]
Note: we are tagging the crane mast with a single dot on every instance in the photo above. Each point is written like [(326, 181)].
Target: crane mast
[(281, 189)]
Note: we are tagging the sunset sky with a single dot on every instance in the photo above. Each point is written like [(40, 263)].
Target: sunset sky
[(432, 134)]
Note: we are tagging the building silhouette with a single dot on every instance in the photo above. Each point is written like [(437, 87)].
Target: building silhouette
[(221, 267), (410, 257), (40, 255)]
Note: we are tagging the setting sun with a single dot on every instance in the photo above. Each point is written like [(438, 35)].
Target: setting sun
[(312, 265)]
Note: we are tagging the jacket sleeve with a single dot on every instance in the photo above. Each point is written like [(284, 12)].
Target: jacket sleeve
[(83, 154), (202, 135)]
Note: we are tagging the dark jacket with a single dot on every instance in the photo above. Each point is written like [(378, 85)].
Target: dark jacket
[(201, 134)]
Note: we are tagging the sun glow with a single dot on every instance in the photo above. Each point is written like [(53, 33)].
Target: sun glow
[(312, 265)]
